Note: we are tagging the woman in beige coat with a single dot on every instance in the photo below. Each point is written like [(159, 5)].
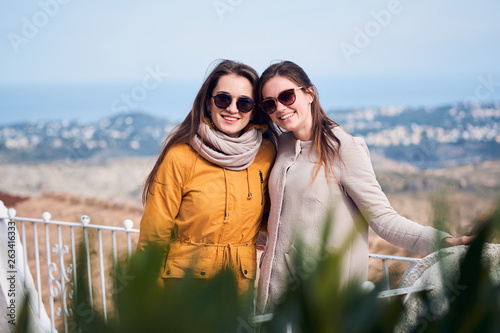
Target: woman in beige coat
[(321, 169)]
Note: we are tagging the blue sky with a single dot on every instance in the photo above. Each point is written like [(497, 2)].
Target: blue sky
[(358, 53)]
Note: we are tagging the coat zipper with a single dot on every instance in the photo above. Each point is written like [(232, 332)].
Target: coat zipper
[(261, 188)]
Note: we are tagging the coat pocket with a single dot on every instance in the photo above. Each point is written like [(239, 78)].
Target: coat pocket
[(248, 268), (180, 267)]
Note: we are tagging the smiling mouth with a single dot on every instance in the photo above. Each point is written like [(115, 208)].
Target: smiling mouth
[(229, 118), (286, 116)]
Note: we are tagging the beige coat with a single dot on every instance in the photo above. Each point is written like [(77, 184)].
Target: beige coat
[(298, 209)]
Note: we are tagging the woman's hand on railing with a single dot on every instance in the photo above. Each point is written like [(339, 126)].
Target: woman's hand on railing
[(464, 240)]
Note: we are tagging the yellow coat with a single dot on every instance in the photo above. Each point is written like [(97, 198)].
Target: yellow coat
[(210, 216)]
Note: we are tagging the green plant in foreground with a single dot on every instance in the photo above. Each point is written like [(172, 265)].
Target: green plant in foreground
[(188, 305), (475, 306), (315, 302)]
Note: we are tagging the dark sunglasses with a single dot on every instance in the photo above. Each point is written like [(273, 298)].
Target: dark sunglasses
[(244, 104), (286, 97)]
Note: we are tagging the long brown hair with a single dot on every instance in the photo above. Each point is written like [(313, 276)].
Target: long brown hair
[(323, 138), (189, 127)]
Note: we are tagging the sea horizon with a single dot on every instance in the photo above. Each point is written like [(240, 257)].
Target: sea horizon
[(89, 102)]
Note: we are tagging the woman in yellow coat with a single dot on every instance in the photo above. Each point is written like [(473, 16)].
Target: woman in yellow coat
[(207, 194)]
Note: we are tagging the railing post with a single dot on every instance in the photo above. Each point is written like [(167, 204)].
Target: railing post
[(73, 260), (64, 280), (385, 274), (37, 264), (128, 224), (50, 276), (103, 283), (85, 221), (115, 274)]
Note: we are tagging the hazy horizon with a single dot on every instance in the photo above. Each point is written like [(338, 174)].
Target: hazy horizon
[(75, 59), (93, 101)]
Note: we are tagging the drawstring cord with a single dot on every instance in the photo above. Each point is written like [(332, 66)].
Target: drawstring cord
[(226, 213), (248, 185), (227, 259)]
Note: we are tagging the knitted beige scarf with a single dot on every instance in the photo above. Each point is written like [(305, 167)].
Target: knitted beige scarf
[(225, 151)]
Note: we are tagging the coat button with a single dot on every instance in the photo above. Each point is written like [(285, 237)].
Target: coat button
[(168, 272), (203, 272), (245, 271)]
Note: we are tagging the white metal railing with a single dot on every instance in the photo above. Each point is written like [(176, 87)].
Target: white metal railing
[(385, 269), (62, 281), (386, 293)]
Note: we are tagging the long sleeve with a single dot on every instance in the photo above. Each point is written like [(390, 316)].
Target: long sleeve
[(163, 203), (360, 183)]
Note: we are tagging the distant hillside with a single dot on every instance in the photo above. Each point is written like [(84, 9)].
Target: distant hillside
[(439, 137), (130, 134)]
